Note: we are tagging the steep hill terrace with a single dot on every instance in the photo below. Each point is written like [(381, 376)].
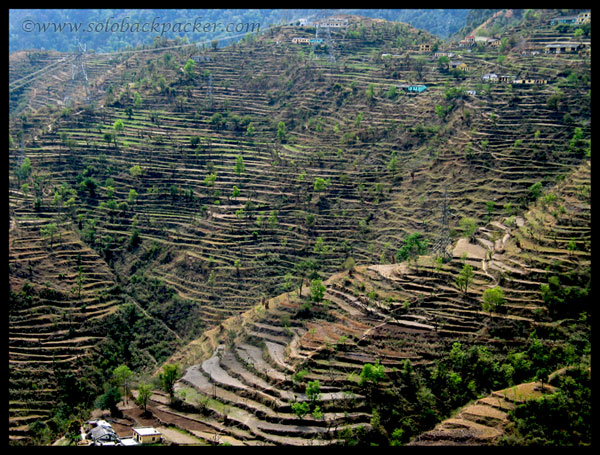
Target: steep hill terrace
[(64, 289), (225, 252), (169, 135), (247, 373)]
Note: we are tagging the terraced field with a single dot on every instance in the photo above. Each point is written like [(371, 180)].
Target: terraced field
[(269, 166), (246, 372)]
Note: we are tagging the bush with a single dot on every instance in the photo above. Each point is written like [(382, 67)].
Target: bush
[(317, 290), (372, 373), (493, 299)]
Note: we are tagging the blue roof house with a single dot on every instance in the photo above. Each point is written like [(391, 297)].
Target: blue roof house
[(416, 88)]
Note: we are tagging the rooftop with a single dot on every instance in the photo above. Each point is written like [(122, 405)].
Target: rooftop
[(146, 431)]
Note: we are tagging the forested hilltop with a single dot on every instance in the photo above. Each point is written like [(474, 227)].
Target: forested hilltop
[(352, 234)]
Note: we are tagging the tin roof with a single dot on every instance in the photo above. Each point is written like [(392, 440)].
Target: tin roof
[(146, 431)]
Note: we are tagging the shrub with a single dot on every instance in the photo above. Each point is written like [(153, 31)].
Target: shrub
[(372, 373), (317, 290), (493, 299)]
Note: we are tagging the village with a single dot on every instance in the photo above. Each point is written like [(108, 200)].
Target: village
[(466, 44), (102, 433)]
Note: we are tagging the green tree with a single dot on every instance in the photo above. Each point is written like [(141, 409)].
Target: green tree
[(490, 206), (372, 374), (188, 69), (320, 247), (135, 170), (313, 391), (370, 92), (169, 375), (73, 433), (281, 133), (49, 231), (137, 100), (535, 191), (465, 278), (108, 137), (320, 184), (272, 220), (493, 299), (80, 280), (118, 126), (240, 167), (468, 226), (134, 240), (413, 246), (289, 283), (317, 290), (443, 62), (301, 408), (133, 194), (209, 180), (109, 400), (144, 394), (24, 171), (122, 376)]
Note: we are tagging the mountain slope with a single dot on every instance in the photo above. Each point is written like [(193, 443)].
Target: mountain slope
[(406, 318), (268, 164)]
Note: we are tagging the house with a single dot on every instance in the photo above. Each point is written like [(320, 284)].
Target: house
[(459, 66), (146, 435), (200, 58), (562, 48), (417, 88), (468, 41), (413, 88), (332, 22), (530, 81), (471, 92), (444, 54), (494, 42), (506, 78), (300, 40), (563, 20), (584, 18), (489, 77), (103, 436), (529, 52), (426, 47)]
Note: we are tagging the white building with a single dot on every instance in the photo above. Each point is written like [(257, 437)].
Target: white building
[(332, 22), (146, 435)]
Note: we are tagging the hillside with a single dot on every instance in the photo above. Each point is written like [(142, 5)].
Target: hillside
[(160, 212), (408, 319)]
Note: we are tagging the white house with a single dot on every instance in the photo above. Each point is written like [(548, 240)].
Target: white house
[(333, 22), (146, 435), (490, 77)]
